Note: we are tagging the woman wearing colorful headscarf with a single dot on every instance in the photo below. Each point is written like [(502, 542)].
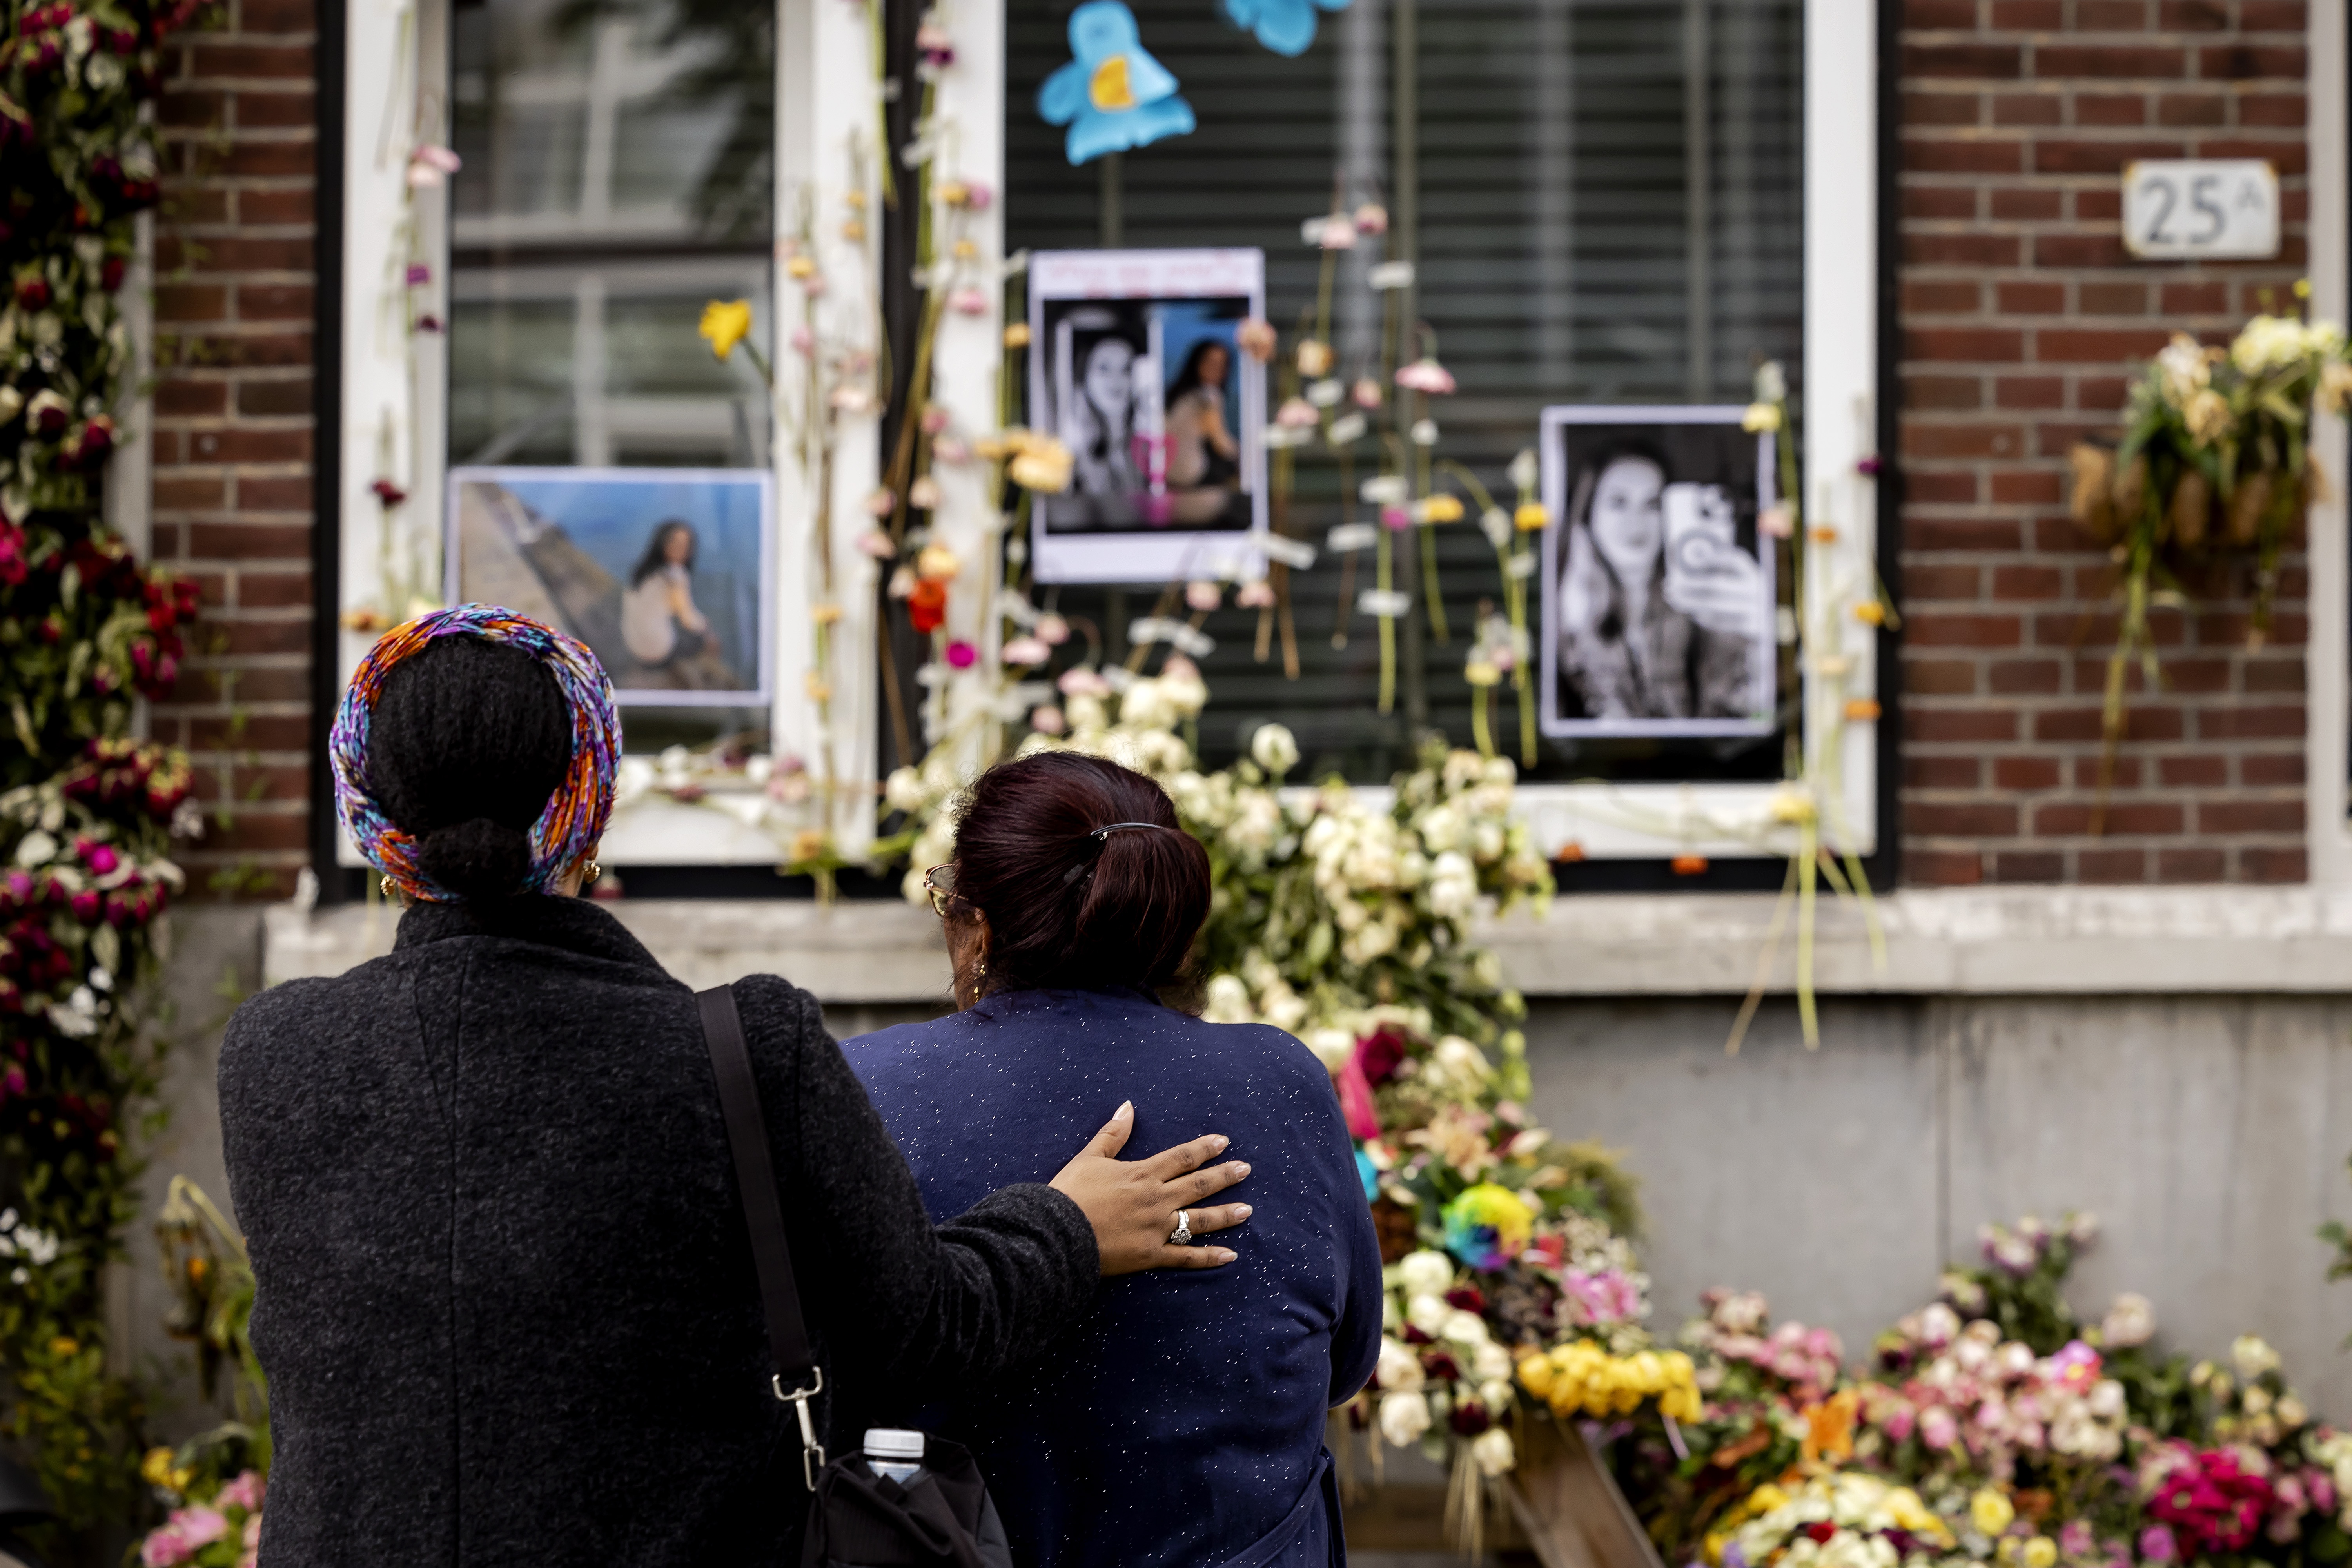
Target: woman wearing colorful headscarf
[(506, 1294)]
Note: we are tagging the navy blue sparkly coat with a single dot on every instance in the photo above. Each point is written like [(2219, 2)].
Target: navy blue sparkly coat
[(1182, 1421)]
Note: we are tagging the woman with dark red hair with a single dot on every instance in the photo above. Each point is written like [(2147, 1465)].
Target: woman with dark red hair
[(1182, 1421)]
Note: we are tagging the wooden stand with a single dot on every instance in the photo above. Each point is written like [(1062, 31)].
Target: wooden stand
[(1567, 1505)]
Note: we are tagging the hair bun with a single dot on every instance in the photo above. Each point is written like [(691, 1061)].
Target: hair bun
[(478, 859)]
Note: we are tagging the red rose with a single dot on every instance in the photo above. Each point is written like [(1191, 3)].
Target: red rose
[(33, 292), (109, 273)]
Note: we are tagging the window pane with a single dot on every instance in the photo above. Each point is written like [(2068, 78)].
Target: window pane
[(617, 175), (1604, 198)]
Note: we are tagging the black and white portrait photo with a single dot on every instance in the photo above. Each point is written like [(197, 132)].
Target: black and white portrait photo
[(1658, 609), (1136, 365)]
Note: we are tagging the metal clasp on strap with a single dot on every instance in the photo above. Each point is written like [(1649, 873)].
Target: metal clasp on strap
[(812, 1451)]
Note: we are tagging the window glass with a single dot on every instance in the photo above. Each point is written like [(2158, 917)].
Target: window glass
[(1604, 201), (617, 173)]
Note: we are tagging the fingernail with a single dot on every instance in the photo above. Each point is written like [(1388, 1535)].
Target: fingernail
[(1243, 1211), (1126, 1108), (1240, 1169), (1222, 1144), (1226, 1256)]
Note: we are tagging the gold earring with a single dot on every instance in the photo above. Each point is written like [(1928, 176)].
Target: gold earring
[(595, 874), (383, 885)]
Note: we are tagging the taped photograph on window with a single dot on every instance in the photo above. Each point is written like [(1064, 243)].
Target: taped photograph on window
[(1136, 365), (1659, 613), (664, 573)]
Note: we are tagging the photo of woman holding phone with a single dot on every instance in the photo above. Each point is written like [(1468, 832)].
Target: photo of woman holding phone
[(1660, 611)]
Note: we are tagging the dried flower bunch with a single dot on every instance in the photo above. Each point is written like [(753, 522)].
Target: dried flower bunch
[(2214, 464)]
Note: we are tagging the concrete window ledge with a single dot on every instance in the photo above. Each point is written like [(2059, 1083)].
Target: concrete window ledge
[(1981, 942)]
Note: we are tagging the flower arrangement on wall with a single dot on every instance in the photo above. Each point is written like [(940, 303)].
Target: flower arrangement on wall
[(2213, 468), (86, 813)]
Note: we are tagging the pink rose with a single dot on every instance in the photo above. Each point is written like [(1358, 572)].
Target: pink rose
[(200, 1525), (1938, 1428), (244, 1492), (165, 1547), (962, 655)]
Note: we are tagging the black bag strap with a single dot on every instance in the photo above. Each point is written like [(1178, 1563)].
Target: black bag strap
[(764, 1214)]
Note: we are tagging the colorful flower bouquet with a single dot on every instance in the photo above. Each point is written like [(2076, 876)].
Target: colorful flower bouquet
[(1995, 1427)]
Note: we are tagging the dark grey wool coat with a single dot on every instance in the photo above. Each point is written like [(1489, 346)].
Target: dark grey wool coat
[(506, 1301)]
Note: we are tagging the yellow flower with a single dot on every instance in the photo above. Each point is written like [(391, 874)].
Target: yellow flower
[(824, 615), (724, 325), (819, 689), (809, 844), (801, 266), (62, 1347), (1479, 673), (1861, 709), (155, 1467), (1870, 613), (1533, 517), (936, 564), (966, 249), (1992, 1513), (1761, 417), (2041, 1553), (1441, 509), (1016, 336)]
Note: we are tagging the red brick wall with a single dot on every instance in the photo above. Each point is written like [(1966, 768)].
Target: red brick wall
[(2021, 316), (233, 430)]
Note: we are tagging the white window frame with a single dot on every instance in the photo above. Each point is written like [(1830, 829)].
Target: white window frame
[(827, 105), (2327, 828)]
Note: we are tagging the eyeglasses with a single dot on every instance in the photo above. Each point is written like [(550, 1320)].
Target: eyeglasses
[(940, 883)]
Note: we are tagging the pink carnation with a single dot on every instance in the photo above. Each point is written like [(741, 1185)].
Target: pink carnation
[(165, 1547), (244, 1492)]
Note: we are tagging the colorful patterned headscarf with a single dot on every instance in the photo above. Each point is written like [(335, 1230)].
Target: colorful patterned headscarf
[(575, 816)]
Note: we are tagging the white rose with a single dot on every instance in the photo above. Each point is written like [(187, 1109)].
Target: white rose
[(1332, 1048), (1403, 1419), (1493, 1452), (1465, 1329), (1427, 1313), (1275, 749), (1400, 1370), (1496, 1395), (2107, 1401), (2253, 1357), (2130, 1322), (1491, 1363), (1228, 1001), (904, 790), (1424, 1273)]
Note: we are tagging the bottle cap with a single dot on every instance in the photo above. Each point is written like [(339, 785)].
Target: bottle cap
[(893, 1443)]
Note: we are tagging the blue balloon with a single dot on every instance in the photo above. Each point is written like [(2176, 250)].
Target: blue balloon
[(1285, 26), (1112, 95)]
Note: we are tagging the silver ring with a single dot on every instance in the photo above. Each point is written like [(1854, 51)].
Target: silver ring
[(1183, 1234)]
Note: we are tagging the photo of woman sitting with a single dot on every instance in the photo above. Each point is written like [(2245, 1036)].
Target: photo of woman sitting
[(658, 619)]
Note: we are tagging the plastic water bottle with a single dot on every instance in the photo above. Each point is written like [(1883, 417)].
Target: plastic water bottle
[(893, 1452)]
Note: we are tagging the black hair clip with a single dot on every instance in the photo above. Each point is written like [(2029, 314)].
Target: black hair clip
[(1098, 837)]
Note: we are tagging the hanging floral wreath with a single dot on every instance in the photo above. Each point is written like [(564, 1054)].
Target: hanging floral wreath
[(86, 813)]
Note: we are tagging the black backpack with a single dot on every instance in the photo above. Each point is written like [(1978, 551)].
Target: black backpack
[(856, 1518)]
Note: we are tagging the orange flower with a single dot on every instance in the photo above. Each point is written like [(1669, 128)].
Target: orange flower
[(1569, 853), (1690, 865), (1861, 709), (1829, 1428)]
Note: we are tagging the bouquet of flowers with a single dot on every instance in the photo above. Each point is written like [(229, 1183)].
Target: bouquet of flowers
[(1996, 1427), (2214, 460)]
